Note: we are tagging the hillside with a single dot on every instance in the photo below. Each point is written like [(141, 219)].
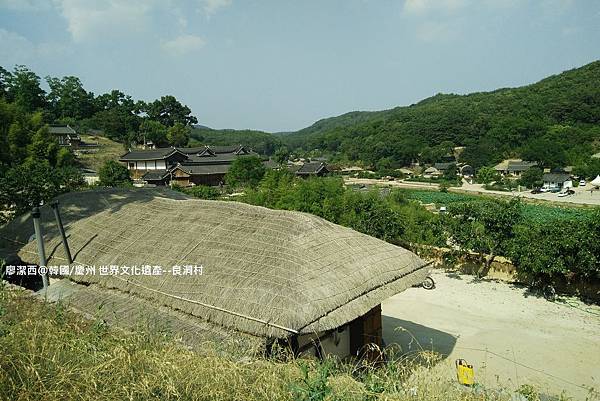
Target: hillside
[(107, 149), (51, 353), (555, 121)]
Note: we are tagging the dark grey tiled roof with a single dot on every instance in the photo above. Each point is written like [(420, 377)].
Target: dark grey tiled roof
[(190, 151), (443, 166), (225, 149), (556, 177), (310, 168), (61, 129), (520, 166), (212, 149), (204, 169), (154, 154), (155, 175)]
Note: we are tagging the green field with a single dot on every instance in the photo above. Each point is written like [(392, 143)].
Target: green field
[(532, 212)]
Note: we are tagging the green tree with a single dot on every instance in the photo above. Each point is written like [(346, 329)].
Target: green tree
[(168, 111), (485, 227), (487, 175), (451, 173), (68, 98), (546, 152), (532, 178), (282, 155), (155, 132), (24, 89), (559, 248), (178, 135), (28, 184), (65, 158), (43, 146), (245, 171), (113, 174)]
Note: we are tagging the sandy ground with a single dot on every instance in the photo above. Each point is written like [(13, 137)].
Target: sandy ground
[(582, 195), (510, 336)]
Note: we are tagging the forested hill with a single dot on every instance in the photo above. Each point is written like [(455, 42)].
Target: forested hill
[(555, 121), (262, 142)]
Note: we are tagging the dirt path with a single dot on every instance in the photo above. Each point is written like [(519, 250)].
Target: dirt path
[(582, 196), (523, 335)]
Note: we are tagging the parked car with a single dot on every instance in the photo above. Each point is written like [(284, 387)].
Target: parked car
[(555, 190), (582, 183), (566, 193), (537, 191), (544, 189)]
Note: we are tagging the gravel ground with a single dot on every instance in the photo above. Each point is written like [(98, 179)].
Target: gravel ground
[(510, 336)]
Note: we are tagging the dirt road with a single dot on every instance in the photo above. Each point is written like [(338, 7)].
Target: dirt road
[(511, 337)]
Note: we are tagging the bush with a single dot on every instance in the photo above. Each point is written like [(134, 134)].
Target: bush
[(113, 174), (245, 171), (203, 192), (558, 248)]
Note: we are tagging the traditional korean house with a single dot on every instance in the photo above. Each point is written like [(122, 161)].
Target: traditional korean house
[(139, 162), (268, 275), (203, 165), (312, 169), (65, 135), (514, 167)]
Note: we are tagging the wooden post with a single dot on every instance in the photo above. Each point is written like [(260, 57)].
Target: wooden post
[(39, 239), (54, 206)]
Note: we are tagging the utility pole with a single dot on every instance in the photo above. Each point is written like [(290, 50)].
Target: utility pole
[(59, 223), (39, 239)]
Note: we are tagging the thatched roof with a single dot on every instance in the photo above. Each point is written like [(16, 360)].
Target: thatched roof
[(265, 272), (129, 312)]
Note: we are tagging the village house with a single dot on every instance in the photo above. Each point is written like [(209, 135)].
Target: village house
[(312, 169), (65, 135), (556, 179), (514, 167), (204, 165), (432, 172), (274, 276), (442, 167)]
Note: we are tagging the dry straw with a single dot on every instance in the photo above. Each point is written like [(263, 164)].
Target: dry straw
[(265, 272)]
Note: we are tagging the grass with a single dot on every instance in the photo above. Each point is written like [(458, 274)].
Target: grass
[(49, 353), (107, 150)]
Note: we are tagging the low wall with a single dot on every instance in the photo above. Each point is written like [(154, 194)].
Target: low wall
[(503, 269)]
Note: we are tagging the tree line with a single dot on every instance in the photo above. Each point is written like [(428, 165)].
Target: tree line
[(555, 122), (120, 117)]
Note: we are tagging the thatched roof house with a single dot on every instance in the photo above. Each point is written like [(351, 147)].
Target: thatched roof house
[(269, 273)]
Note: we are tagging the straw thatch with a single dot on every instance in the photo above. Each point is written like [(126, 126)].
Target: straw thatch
[(128, 312), (265, 272)]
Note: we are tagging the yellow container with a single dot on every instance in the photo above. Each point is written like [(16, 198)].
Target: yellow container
[(464, 372)]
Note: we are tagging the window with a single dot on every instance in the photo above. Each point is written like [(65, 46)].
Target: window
[(131, 165)]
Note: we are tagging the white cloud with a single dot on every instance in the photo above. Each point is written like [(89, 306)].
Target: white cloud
[(86, 20), (25, 5), (183, 44), (212, 6), (424, 6), (17, 49)]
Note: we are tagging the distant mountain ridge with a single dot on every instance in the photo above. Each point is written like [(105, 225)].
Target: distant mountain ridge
[(554, 121), (503, 122)]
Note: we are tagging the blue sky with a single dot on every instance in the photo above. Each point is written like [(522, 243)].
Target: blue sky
[(280, 65)]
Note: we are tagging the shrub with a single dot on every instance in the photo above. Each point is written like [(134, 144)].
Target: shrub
[(113, 174), (203, 192)]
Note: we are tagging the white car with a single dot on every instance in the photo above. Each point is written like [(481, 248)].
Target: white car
[(544, 189), (582, 183)]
